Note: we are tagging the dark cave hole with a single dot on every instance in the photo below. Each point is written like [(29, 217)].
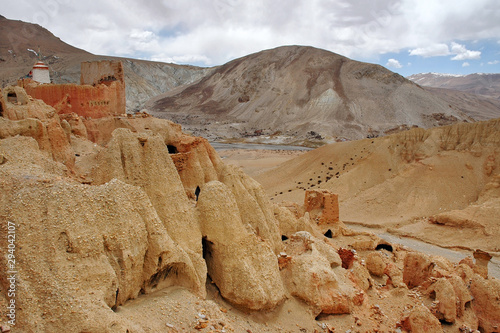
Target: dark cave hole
[(172, 149), (329, 233), (284, 238), (207, 248), (383, 246), (116, 300), (12, 97)]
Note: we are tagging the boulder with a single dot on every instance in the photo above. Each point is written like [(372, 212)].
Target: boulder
[(462, 294), (315, 276), (375, 263), (417, 269), (445, 305), (241, 264), (486, 303), (421, 320)]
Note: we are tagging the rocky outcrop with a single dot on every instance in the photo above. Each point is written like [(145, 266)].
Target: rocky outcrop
[(421, 320), (315, 275), (28, 117), (81, 235), (486, 304), (244, 268), (322, 206)]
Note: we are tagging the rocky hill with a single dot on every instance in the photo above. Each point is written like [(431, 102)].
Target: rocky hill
[(302, 93), (20, 41), (478, 107), (487, 85)]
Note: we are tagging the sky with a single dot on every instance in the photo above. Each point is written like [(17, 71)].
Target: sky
[(406, 36)]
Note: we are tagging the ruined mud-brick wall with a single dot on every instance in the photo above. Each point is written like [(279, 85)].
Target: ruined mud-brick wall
[(101, 94), (322, 206)]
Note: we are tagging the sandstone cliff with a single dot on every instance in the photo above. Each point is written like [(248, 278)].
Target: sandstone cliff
[(129, 237)]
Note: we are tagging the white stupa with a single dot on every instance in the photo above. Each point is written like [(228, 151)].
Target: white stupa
[(40, 72)]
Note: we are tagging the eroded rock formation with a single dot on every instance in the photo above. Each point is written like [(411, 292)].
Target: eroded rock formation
[(142, 207)]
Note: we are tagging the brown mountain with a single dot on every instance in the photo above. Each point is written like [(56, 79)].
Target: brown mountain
[(478, 107), (20, 42), (487, 85), (303, 92), (476, 94)]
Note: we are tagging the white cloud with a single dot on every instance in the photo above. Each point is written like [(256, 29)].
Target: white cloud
[(462, 53), (465, 64), (435, 50), (494, 62), (220, 30), (393, 63), (459, 51)]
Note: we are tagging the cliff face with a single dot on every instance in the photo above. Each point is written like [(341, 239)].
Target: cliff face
[(106, 242)]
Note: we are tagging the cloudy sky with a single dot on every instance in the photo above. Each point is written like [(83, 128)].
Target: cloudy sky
[(407, 36)]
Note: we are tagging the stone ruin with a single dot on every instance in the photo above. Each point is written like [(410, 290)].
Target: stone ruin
[(101, 91)]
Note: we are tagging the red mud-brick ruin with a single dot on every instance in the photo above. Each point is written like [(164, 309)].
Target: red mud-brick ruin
[(322, 206), (101, 91)]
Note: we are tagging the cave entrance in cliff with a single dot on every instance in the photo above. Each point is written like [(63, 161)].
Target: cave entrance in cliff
[(1, 110), (172, 149), (207, 249), (383, 246), (12, 97), (207, 245)]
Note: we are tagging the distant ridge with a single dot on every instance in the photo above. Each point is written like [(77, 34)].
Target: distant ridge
[(483, 84)]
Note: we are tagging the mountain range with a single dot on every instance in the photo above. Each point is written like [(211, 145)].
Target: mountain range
[(483, 84), (291, 94)]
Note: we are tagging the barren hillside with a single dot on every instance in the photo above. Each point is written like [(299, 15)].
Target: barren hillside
[(478, 107), (422, 182), (303, 93), (487, 85)]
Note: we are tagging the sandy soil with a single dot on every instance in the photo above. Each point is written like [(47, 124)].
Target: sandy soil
[(377, 186), (254, 162)]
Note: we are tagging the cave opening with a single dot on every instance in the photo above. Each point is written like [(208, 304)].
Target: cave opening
[(329, 233), (12, 97), (1, 110), (172, 149), (284, 238), (207, 246), (207, 249), (383, 246)]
